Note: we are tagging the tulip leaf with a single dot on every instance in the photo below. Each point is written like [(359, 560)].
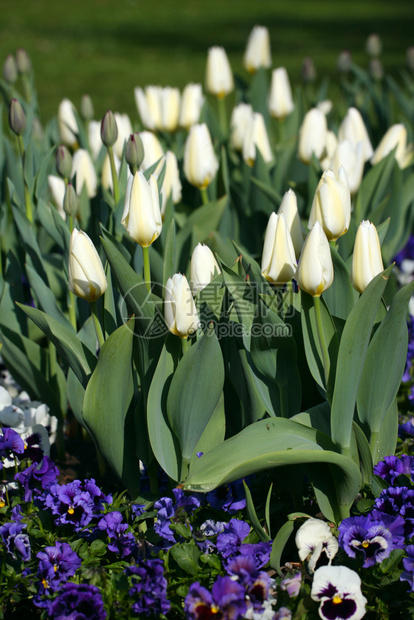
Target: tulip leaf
[(107, 406), (214, 432), (253, 518), (73, 351), (364, 453), (351, 358), (26, 231), (386, 440), (169, 254), (46, 298), (279, 543), (54, 225), (195, 390), (374, 186), (340, 296)]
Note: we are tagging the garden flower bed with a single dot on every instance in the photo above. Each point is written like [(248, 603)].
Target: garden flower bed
[(207, 348)]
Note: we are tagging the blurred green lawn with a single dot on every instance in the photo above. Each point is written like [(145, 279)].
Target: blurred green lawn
[(106, 47)]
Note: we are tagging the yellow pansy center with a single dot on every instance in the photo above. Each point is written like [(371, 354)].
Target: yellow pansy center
[(71, 510), (336, 599)]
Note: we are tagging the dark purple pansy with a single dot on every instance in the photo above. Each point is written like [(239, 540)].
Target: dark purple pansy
[(70, 504), (391, 467), (230, 498), (256, 583), (232, 536), (16, 541), (78, 601), (292, 584), (226, 601), (10, 444), (408, 563), (148, 588), (398, 501), (122, 541), (37, 476), (56, 565), (367, 538), (407, 429)]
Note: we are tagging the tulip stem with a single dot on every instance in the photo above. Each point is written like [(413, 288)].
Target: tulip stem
[(27, 199), (204, 195), (185, 345), (72, 310), (114, 175), (222, 115), (97, 325), (147, 269), (322, 341)]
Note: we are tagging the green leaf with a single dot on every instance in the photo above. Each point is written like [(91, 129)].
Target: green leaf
[(279, 543), (340, 296), (351, 358), (251, 513), (169, 254), (187, 555), (46, 299), (364, 452), (106, 407), (214, 432), (195, 390)]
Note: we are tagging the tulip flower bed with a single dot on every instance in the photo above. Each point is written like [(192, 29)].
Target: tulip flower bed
[(212, 300)]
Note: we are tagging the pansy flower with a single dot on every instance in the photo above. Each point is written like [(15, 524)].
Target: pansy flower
[(226, 600), (39, 475), (391, 467), (78, 600), (16, 541), (408, 563), (148, 588), (56, 565), (366, 537), (231, 538), (338, 590), (315, 543)]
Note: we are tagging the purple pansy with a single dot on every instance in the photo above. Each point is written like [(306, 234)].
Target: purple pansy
[(42, 475), (11, 444), (148, 588), (56, 565), (408, 563), (391, 467), (78, 602), (230, 498), (257, 583), (407, 429), (292, 584), (226, 600), (397, 501), (170, 512), (17, 543), (232, 536), (122, 541), (365, 537), (259, 551)]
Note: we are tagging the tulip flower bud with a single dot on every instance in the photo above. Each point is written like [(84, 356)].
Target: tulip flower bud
[(353, 129), (344, 61), (278, 258), (366, 259), (170, 108), (180, 311), (256, 138), (57, 190), (86, 108), (148, 117), (86, 274), (203, 267), (258, 50), (200, 162), (238, 122), (142, 216), (376, 69), (134, 151), (68, 127), (312, 136), (395, 137), (153, 150), (315, 269), (70, 202), (23, 61), (63, 162), (83, 168), (192, 101), (17, 117), (308, 70), (219, 76), (280, 99), (10, 69), (289, 208), (352, 160), (171, 185), (410, 58), (331, 205), (109, 129), (94, 138), (374, 45), (124, 131)]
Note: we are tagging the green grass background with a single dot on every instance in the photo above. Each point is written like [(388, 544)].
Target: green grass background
[(106, 47)]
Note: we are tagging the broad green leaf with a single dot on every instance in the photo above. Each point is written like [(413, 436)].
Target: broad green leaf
[(340, 296), (214, 432), (386, 441), (107, 406), (27, 233), (279, 543), (351, 358), (46, 299), (374, 186), (364, 453)]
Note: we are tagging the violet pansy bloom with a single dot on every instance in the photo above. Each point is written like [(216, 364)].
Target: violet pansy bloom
[(367, 537), (338, 589), (408, 563), (226, 600), (148, 588), (78, 600), (232, 536)]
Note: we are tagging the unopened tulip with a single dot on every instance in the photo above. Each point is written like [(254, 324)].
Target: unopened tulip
[(331, 205), (315, 269), (278, 258), (353, 129), (83, 168), (57, 189), (148, 116), (70, 201), (308, 70), (192, 101), (134, 151), (23, 62), (86, 108), (171, 185), (63, 161), (86, 274), (17, 117), (124, 131), (312, 136), (258, 50), (256, 137), (10, 69), (109, 129), (366, 259), (395, 137), (203, 267), (170, 108), (289, 208), (374, 45), (352, 160), (94, 137), (219, 76), (200, 161), (159, 107), (68, 126), (180, 311), (142, 216), (344, 62), (153, 150), (238, 122), (280, 98)]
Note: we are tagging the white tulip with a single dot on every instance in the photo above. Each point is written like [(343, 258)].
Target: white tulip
[(203, 267), (180, 311), (238, 122), (395, 137), (352, 159), (331, 205), (278, 258), (86, 274), (171, 185), (68, 127), (315, 271), (200, 161), (366, 259), (280, 98), (153, 150), (219, 76), (312, 135), (192, 101), (257, 52), (353, 129), (289, 208), (142, 216), (83, 168), (256, 137)]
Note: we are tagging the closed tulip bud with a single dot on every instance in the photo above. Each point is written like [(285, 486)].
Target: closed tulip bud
[(142, 216), (315, 271), (331, 144), (134, 151), (312, 136), (344, 61), (180, 311), (308, 70), (192, 101), (280, 99), (153, 150), (366, 259), (106, 175), (238, 122), (258, 50), (353, 129), (395, 137), (170, 108), (200, 161), (374, 45), (83, 168), (94, 137), (124, 131), (109, 129), (219, 76), (57, 190), (171, 185), (256, 137), (203, 267), (10, 69), (149, 117), (23, 61), (17, 117), (352, 160), (325, 106), (63, 162), (289, 208), (70, 202), (410, 58), (376, 69), (68, 127), (86, 108), (331, 205), (86, 274), (278, 258)]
